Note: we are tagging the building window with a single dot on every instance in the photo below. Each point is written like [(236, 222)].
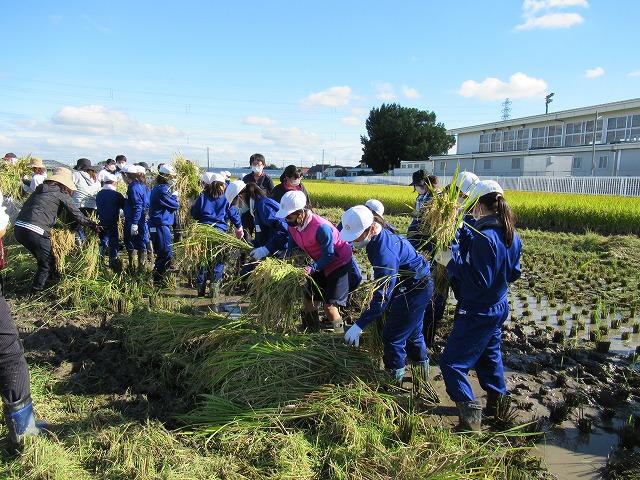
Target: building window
[(537, 137), (509, 141), (549, 161), (496, 139), (516, 163), (623, 129), (581, 133), (484, 142), (603, 161), (522, 142), (554, 136), (442, 164), (487, 164), (576, 163)]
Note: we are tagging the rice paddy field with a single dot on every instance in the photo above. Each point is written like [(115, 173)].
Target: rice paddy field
[(145, 383)]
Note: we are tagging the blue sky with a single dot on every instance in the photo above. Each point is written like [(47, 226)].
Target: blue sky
[(292, 79)]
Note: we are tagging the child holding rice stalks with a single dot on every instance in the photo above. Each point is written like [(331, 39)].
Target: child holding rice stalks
[(406, 293), (334, 271), (212, 208)]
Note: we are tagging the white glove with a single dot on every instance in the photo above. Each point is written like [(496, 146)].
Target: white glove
[(352, 337), (175, 193), (134, 229), (444, 257), (259, 253)]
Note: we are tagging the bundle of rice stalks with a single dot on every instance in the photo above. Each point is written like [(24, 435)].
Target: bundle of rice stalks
[(187, 184), (63, 242), (203, 245), (275, 291), (11, 177)]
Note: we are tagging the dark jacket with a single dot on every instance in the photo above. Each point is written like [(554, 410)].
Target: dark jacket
[(45, 204), (264, 182), (279, 190)]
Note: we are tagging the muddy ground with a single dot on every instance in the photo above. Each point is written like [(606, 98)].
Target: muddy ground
[(550, 384)]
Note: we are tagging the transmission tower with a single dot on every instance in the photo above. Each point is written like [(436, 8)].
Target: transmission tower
[(506, 109)]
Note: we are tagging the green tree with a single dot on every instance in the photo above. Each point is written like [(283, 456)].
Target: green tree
[(398, 133)]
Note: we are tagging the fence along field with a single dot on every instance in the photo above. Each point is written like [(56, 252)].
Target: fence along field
[(608, 215)]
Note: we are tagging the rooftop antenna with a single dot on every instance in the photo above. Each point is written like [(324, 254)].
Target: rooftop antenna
[(506, 109)]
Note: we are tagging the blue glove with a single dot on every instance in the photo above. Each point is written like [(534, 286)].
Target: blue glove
[(352, 337)]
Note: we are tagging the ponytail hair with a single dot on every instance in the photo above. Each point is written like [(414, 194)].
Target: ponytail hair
[(214, 190), (497, 204)]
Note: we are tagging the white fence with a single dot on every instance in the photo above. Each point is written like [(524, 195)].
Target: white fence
[(623, 186)]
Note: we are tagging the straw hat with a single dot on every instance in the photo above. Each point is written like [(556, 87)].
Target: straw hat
[(63, 176), (36, 163)]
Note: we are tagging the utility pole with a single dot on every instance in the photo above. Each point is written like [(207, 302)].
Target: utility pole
[(548, 100)]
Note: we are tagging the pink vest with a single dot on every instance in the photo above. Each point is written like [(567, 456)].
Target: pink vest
[(306, 240)]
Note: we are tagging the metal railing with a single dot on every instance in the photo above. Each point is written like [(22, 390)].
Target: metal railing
[(623, 186)]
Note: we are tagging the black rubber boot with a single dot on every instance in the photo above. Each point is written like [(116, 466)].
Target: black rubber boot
[(311, 321), (142, 260), (131, 265), (469, 416), (493, 398), (21, 422), (202, 289)]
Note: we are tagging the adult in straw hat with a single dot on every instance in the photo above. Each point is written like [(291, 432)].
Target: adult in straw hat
[(37, 217), (29, 184)]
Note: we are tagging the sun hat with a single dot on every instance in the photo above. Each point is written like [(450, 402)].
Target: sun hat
[(138, 169), (63, 176), (355, 221), (486, 187), (226, 174), (109, 177), (167, 169), (210, 177), (36, 163), (419, 178), (375, 205), (291, 202), (465, 181), (82, 163), (233, 189)]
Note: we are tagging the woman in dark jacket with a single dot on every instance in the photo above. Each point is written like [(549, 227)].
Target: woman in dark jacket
[(38, 215), (290, 180)]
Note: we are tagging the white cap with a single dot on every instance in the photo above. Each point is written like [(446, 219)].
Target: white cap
[(128, 168), (210, 177), (465, 181), (487, 186), (166, 169), (109, 177), (291, 202), (355, 221), (375, 205), (233, 189), (226, 174)]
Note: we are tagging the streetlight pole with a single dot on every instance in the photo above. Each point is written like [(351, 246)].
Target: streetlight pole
[(548, 100)]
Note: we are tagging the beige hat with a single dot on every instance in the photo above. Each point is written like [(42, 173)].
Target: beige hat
[(63, 176), (36, 163)]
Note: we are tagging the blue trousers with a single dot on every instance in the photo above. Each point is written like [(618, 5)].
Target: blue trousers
[(402, 335), (138, 242), (475, 341), (162, 248), (110, 238), (432, 316), (214, 272)]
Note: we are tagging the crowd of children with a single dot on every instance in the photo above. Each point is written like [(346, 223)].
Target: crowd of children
[(480, 263)]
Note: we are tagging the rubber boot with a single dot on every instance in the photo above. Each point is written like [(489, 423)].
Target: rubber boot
[(21, 421), (102, 249), (469, 416), (131, 264), (215, 289), (311, 321), (397, 375), (201, 288), (142, 260), (423, 369), (493, 398), (115, 264), (336, 326)]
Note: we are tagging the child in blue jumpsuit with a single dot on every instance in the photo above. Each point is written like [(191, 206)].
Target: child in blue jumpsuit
[(163, 203), (135, 224), (109, 202), (212, 208), (486, 262), (271, 232), (406, 293)]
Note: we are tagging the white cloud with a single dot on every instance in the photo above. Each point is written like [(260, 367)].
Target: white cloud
[(350, 121), (332, 97), (410, 92), (260, 121), (292, 137), (545, 14), (634, 74), (385, 91), (596, 72), (520, 85)]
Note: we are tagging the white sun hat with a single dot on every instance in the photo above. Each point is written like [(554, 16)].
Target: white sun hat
[(486, 187), (233, 189), (166, 169), (355, 221), (375, 205), (291, 202), (466, 181), (210, 177)]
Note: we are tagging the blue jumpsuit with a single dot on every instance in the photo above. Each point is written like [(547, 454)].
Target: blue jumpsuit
[(215, 212), (407, 294), (136, 203), (108, 205), (162, 208), (480, 271)]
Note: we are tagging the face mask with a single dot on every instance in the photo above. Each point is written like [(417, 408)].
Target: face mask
[(171, 182), (243, 209), (111, 168), (257, 168), (421, 190), (295, 183), (477, 213), (360, 245)]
